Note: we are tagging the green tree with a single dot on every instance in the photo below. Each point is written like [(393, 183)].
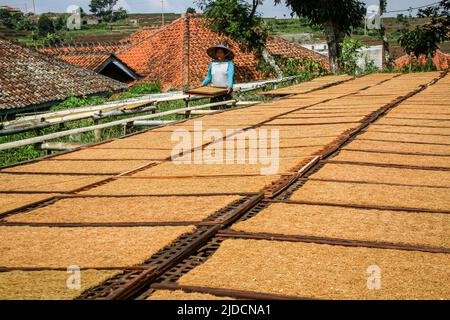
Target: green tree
[(120, 14), (27, 24), (60, 22), (11, 20), (103, 8), (337, 17), (387, 54), (401, 18), (240, 20), (191, 10), (45, 26), (82, 13), (350, 54), (52, 39), (425, 39)]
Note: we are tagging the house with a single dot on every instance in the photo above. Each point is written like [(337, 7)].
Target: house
[(370, 54), (31, 81), (92, 21), (99, 58), (321, 47), (175, 54), (10, 9)]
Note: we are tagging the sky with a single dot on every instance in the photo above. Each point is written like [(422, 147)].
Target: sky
[(179, 6)]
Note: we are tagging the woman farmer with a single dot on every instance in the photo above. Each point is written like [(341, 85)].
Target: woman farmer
[(221, 72)]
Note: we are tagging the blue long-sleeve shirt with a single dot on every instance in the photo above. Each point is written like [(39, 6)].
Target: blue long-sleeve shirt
[(230, 76)]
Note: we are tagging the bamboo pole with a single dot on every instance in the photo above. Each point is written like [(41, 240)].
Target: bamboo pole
[(154, 123), (56, 135), (58, 146), (40, 120), (61, 113), (61, 120), (104, 115)]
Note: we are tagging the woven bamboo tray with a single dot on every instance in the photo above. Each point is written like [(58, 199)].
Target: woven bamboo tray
[(357, 224), (84, 247), (405, 137), (406, 129), (358, 173), (45, 183), (322, 271), (14, 201), (117, 154), (395, 159), (374, 195), (207, 91), (85, 167), (362, 145), (197, 185), (126, 209), (47, 285)]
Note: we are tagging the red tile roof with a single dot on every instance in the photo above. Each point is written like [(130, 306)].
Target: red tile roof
[(29, 78), (142, 34), (440, 60), (159, 56), (87, 61), (84, 48), (90, 56), (176, 55)]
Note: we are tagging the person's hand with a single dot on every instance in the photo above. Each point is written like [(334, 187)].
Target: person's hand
[(229, 90)]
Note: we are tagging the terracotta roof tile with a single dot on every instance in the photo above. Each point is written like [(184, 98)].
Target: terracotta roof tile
[(30, 78), (176, 55), (159, 56), (142, 34), (440, 60), (85, 48), (87, 61)]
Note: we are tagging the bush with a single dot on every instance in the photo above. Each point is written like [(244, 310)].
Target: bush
[(75, 102), (27, 24), (52, 39), (415, 65), (140, 89), (45, 25), (300, 66), (350, 54), (10, 19), (305, 67)]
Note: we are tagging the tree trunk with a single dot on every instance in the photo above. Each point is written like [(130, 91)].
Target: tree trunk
[(386, 51), (334, 36), (268, 58), (254, 8), (387, 54)]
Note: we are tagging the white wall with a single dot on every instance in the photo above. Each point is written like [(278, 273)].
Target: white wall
[(373, 53)]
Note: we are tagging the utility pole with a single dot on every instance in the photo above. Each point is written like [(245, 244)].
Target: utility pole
[(34, 7), (162, 12)]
